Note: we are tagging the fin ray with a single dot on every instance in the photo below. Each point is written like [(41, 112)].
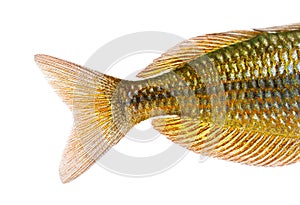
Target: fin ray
[(238, 145), (97, 127), (275, 29), (193, 48)]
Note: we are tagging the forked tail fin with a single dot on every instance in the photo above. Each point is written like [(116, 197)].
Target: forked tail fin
[(97, 126)]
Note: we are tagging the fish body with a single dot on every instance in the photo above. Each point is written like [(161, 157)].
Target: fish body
[(232, 95)]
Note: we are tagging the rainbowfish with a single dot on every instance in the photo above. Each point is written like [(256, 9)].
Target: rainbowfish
[(233, 95)]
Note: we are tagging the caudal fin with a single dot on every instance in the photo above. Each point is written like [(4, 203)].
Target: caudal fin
[(97, 127)]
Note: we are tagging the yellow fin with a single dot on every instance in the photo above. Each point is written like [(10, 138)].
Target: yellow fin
[(233, 144), (189, 133), (190, 49), (193, 48), (97, 126)]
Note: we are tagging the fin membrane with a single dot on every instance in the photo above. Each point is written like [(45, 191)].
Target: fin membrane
[(75, 159), (96, 126), (189, 133), (276, 29), (190, 49), (233, 144)]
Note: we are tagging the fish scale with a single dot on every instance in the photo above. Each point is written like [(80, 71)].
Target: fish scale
[(268, 91), (233, 95), (262, 94)]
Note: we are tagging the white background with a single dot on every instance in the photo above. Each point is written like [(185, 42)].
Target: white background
[(34, 123)]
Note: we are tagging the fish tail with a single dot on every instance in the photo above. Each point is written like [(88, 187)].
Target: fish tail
[(97, 125)]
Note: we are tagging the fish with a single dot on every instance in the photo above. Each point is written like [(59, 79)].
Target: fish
[(233, 95)]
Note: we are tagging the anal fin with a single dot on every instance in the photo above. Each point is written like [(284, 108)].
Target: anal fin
[(189, 133), (234, 144)]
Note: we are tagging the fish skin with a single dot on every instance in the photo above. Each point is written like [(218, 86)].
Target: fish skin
[(233, 96), (256, 90), (258, 79)]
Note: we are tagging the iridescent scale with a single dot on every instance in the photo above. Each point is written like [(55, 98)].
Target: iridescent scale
[(233, 95), (239, 103), (261, 81)]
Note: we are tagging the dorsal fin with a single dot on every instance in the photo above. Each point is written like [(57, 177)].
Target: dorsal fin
[(197, 46), (192, 48), (275, 29)]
